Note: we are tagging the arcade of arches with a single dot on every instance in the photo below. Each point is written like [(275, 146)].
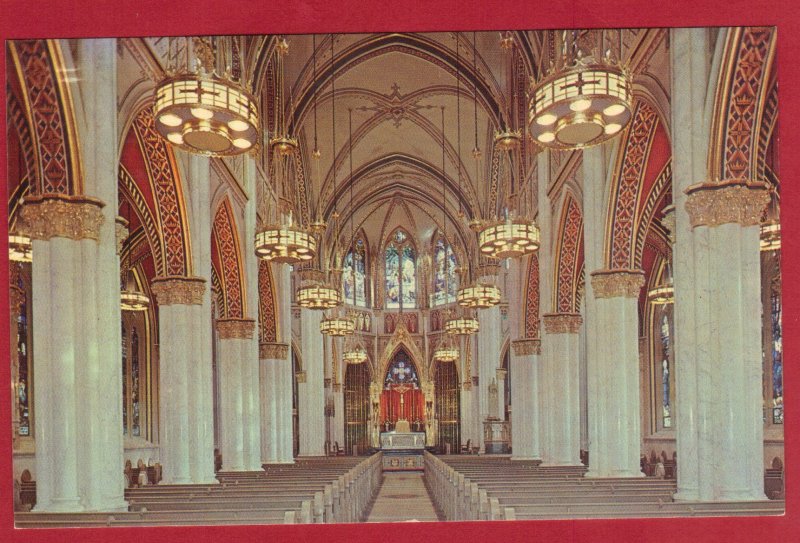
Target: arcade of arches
[(576, 365)]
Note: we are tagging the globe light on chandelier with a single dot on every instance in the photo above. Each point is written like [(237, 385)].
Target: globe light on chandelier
[(478, 295), (581, 105), (462, 326), (318, 296), (206, 114), (509, 239), (337, 326)]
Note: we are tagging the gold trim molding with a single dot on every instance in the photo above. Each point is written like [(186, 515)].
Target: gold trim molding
[(73, 217), (526, 347), (732, 201), (236, 328), (178, 290), (273, 351), (617, 283), (562, 323)]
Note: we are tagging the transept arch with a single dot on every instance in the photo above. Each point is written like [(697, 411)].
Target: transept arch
[(226, 250)]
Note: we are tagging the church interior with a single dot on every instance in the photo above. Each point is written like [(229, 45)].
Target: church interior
[(380, 277)]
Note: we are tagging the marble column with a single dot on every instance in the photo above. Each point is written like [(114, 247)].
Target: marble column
[(312, 392), (560, 388), (276, 416), (489, 345), (66, 233), (178, 298), (524, 399), (467, 394), (616, 400)]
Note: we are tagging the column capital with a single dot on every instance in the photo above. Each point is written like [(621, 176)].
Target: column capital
[(236, 328), (121, 231), (562, 323), (467, 385), (731, 201), (525, 347), (273, 351), (74, 217), (617, 283), (301, 376), (178, 290), (501, 373)]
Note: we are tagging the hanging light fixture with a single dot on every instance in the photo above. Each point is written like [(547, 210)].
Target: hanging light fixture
[(581, 100), (131, 297), (479, 295), (446, 351), (355, 355), (207, 111), (515, 235), (337, 326), (462, 325), (20, 248), (770, 236), (281, 239), (664, 293)]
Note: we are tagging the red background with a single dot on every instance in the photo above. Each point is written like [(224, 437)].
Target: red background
[(68, 18)]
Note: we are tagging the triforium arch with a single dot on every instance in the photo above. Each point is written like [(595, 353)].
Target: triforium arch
[(226, 251)]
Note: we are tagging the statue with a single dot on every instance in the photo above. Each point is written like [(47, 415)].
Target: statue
[(493, 400)]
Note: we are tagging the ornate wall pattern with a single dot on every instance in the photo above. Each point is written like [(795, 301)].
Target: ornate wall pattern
[(166, 186), (570, 243), (627, 185), (267, 328), (129, 190), (742, 110), (17, 119), (227, 238), (660, 195), (49, 118), (532, 298)]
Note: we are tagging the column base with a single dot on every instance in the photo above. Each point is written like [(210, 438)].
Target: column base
[(686, 495), (528, 458), (70, 505), (277, 463), (743, 495), (112, 506), (211, 481), (560, 464)]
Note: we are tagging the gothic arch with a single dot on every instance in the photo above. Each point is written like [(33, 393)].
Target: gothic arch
[(531, 310), (568, 256), (402, 340), (227, 251), (742, 91), (48, 106), (267, 317)]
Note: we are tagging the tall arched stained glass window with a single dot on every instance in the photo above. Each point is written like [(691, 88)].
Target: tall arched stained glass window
[(777, 354), (665, 370), (136, 428), (355, 278), (445, 282), (23, 390), (124, 379), (401, 271)]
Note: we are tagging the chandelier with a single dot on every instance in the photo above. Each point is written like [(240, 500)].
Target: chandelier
[(354, 353), (507, 139), (583, 101), (663, 293), (770, 237), (479, 295), (318, 296), (509, 239), (19, 248), (207, 111), (445, 352), (337, 326), (285, 244), (131, 298), (462, 326)]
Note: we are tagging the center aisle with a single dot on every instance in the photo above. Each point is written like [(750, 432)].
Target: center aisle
[(403, 497)]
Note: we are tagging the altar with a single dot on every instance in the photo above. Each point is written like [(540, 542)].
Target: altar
[(402, 451)]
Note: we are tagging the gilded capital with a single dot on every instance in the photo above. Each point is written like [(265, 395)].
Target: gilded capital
[(562, 323), (175, 290), (525, 347), (273, 351), (301, 376), (732, 201), (617, 283), (74, 217), (236, 328), (467, 385), (501, 373)]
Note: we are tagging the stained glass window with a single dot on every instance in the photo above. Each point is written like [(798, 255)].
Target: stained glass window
[(23, 377), (777, 354), (355, 278), (134, 386), (124, 380), (666, 347), (401, 371), (401, 272), (135, 395), (445, 282)]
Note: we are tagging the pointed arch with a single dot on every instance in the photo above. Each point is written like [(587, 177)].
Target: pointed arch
[(532, 298), (49, 109), (355, 274), (267, 319), (227, 251), (400, 270), (568, 256), (445, 262), (156, 163), (742, 91)]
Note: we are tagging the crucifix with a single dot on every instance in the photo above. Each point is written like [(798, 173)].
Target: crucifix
[(402, 389)]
